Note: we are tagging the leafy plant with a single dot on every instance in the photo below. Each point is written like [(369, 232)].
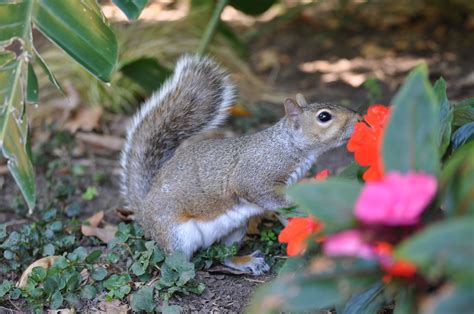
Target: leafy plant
[(405, 231)]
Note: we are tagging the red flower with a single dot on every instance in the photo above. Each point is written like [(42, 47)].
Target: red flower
[(296, 233), (393, 268), (322, 175), (366, 141)]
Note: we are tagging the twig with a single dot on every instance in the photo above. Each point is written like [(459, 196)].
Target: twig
[(211, 27)]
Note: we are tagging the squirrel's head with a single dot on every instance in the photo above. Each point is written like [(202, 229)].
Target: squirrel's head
[(320, 124)]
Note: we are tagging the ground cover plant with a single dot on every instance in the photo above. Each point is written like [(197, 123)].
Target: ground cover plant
[(394, 230)]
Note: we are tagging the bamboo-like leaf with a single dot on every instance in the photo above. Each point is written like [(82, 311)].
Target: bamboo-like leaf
[(79, 28), (131, 8), (32, 86), (13, 17), (13, 129), (48, 72)]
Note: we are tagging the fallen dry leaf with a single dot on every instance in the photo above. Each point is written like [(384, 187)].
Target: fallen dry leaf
[(95, 219), (45, 262), (87, 119), (108, 142), (104, 234), (113, 307)]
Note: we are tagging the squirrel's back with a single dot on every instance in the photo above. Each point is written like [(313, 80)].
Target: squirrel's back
[(196, 98)]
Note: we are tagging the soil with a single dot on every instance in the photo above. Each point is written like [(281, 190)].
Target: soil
[(324, 61)]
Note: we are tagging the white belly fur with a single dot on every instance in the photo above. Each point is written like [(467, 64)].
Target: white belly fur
[(195, 234)]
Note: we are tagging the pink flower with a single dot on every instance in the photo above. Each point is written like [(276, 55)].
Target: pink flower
[(348, 243), (397, 199)]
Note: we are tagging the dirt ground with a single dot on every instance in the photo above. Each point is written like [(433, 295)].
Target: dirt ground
[(326, 62)]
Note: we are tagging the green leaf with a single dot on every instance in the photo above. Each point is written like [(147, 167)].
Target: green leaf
[(252, 7), (90, 193), (14, 130), (48, 250), (5, 287), (411, 139), (131, 8), (453, 260), (463, 112), (462, 135), (14, 17), (146, 72), (88, 292), (457, 299), (32, 88), (331, 201), (79, 254), (457, 182), (367, 302), (142, 300), (79, 28), (307, 291), (445, 115), (56, 300), (179, 263), (352, 171), (39, 60), (170, 309), (99, 274), (93, 257), (405, 301)]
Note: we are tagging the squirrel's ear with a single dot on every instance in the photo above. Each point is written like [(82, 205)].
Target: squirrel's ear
[(300, 100), (293, 112)]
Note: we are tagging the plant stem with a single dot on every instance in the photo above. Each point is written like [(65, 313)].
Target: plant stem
[(211, 27)]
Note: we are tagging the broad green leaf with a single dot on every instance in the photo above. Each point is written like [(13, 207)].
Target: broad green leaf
[(462, 135), (352, 171), (99, 274), (443, 249), (309, 291), (331, 201), (445, 115), (56, 300), (405, 301), (146, 72), (131, 8), (463, 112), (252, 7), (451, 299), (142, 300), (88, 292), (367, 302), (457, 182), (79, 28), (411, 139), (13, 129), (32, 89)]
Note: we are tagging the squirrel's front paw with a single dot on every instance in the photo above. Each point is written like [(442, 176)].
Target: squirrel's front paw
[(253, 263)]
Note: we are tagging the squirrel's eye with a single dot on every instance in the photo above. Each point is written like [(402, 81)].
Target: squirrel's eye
[(324, 116)]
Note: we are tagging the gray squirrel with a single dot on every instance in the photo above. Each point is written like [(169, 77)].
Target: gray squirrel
[(189, 197)]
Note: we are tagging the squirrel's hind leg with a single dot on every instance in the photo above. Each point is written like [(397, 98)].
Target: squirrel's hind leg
[(253, 263)]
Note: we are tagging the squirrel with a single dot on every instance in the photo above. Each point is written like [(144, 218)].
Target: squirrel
[(189, 197)]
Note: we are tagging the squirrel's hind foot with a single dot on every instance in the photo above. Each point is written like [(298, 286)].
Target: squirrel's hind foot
[(253, 263)]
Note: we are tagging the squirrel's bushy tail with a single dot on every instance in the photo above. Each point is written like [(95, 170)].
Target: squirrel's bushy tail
[(194, 99)]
